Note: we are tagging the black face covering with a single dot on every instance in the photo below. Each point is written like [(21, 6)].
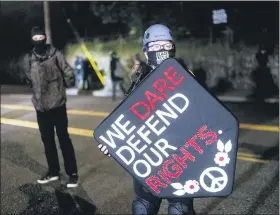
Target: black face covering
[(40, 46), (156, 57)]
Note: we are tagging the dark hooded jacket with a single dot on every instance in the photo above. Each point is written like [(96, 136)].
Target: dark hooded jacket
[(48, 76), (139, 75)]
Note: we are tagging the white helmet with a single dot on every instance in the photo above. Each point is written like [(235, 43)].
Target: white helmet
[(156, 32)]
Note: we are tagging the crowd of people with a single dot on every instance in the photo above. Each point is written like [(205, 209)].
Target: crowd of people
[(86, 78)]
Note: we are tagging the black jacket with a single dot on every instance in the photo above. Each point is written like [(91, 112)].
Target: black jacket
[(48, 76), (138, 76), (144, 70)]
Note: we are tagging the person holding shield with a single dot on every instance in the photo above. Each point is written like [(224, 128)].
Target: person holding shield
[(158, 45)]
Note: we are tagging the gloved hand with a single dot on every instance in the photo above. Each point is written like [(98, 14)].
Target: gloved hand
[(104, 149)]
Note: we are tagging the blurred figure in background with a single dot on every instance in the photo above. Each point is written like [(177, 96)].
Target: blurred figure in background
[(264, 84), (262, 56), (87, 74), (46, 71), (200, 74), (117, 74), (79, 72), (137, 63), (93, 82)]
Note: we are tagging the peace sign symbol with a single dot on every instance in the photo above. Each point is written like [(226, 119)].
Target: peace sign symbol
[(217, 184)]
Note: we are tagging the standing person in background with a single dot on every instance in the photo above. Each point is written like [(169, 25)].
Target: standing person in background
[(48, 74), (88, 74), (137, 64), (87, 68), (117, 73), (94, 80), (79, 72), (264, 84)]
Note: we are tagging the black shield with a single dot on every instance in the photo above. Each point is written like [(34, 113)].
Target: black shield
[(173, 136)]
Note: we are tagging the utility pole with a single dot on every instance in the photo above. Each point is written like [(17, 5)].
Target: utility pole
[(210, 34), (47, 21)]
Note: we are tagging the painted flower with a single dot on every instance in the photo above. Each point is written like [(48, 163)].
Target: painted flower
[(179, 189), (191, 186), (222, 159)]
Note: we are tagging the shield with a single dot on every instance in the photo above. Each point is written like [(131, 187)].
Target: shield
[(173, 136)]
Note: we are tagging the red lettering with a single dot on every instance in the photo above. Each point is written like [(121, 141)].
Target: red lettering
[(163, 87), (136, 113), (154, 182), (194, 144), (174, 167), (186, 156), (171, 77), (149, 94), (164, 177), (207, 134)]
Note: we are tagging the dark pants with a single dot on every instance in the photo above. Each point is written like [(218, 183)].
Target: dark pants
[(155, 202), (115, 83), (85, 81), (57, 118)]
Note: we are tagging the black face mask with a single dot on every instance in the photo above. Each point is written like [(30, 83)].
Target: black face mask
[(40, 46), (156, 57)]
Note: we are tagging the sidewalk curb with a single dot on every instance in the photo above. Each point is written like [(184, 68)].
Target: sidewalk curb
[(224, 98), (22, 90), (245, 99)]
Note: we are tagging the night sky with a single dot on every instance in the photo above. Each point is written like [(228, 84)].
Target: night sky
[(248, 19)]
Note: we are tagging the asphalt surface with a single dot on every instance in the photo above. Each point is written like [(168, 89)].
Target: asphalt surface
[(105, 188)]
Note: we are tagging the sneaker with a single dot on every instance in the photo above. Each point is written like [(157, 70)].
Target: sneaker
[(73, 181), (48, 178)]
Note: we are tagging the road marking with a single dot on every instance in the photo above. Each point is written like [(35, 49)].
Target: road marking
[(245, 154), (17, 107), (69, 111), (105, 114), (87, 113), (254, 160), (245, 99), (260, 127), (28, 124), (89, 133)]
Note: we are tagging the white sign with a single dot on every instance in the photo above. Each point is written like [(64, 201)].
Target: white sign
[(219, 16)]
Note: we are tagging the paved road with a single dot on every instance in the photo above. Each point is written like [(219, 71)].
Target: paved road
[(105, 187)]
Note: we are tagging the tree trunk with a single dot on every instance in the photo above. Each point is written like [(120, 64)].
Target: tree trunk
[(47, 22)]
